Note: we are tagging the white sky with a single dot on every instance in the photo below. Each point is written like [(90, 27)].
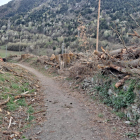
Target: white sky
[(2, 2)]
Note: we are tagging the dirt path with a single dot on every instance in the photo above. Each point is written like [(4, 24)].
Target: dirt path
[(67, 117)]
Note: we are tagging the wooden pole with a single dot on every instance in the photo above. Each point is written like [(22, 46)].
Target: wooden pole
[(97, 41)]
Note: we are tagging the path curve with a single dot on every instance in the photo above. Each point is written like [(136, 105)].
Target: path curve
[(67, 117)]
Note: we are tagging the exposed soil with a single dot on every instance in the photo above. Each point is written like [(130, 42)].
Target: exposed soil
[(74, 116)]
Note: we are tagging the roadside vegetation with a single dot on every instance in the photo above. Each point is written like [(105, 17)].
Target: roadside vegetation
[(18, 93)]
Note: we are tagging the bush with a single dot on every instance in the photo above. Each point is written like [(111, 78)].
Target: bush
[(17, 46), (54, 48), (121, 98)]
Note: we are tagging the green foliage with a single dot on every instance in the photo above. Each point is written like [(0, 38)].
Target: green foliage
[(100, 115), (31, 118), (30, 110), (121, 99), (54, 48), (14, 85), (35, 17), (131, 135), (21, 102), (121, 115), (2, 78), (17, 46), (11, 105)]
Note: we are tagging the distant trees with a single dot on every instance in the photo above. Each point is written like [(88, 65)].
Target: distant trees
[(59, 18)]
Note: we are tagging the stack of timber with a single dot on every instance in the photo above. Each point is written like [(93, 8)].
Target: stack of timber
[(125, 61)]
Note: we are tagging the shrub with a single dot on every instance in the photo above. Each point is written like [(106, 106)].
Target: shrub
[(54, 48), (17, 46), (121, 98)]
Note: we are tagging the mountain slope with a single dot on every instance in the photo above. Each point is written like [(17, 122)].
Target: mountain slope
[(57, 18), (18, 7)]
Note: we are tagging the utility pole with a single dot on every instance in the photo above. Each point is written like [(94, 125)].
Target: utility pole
[(8, 28), (6, 52), (63, 46), (97, 41), (20, 45)]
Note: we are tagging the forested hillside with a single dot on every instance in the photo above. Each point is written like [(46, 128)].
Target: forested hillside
[(46, 23)]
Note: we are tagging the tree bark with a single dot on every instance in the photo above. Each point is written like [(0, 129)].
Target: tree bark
[(121, 82), (98, 21)]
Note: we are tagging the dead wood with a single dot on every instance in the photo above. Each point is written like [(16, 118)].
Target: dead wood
[(111, 53), (11, 132), (39, 112), (98, 53), (119, 53), (115, 52), (10, 122), (120, 69), (7, 68), (1, 72), (24, 96), (25, 93), (125, 70), (132, 63), (52, 58), (5, 102), (121, 82), (53, 64), (135, 34), (136, 51), (102, 66)]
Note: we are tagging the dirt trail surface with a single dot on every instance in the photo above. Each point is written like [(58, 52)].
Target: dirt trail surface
[(68, 117)]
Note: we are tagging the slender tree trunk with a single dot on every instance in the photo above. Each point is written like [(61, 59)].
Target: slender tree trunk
[(97, 41)]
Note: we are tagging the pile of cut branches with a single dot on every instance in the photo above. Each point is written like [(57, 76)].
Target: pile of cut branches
[(124, 62)]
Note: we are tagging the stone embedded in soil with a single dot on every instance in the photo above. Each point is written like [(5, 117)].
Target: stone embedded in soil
[(110, 92), (125, 88), (127, 122), (139, 130)]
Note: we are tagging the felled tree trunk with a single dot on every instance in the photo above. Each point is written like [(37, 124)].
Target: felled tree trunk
[(99, 54), (121, 82), (120, 69), (120, 53), (131, 63), (125, 70)]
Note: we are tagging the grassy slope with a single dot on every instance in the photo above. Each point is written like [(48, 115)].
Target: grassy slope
[(11, 86)]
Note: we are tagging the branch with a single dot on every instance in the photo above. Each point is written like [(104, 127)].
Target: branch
[(5, 102)]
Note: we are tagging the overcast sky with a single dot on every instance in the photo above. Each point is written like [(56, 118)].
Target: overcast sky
[(2, 2)]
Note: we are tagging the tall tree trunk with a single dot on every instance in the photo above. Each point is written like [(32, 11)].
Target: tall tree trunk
[(97, 42)]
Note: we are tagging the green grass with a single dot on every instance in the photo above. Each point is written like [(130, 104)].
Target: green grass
[(15, 86), (11, 105), (121, 115), (7, 89), (31, 118), (3, 53), (121, 98), (21, 102), (30, 110), (131, 135), (26, 126), (2, 78), (100, 115), (12, 86), (68, 79)]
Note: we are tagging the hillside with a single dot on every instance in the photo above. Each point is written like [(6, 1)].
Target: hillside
[(46, 23)]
